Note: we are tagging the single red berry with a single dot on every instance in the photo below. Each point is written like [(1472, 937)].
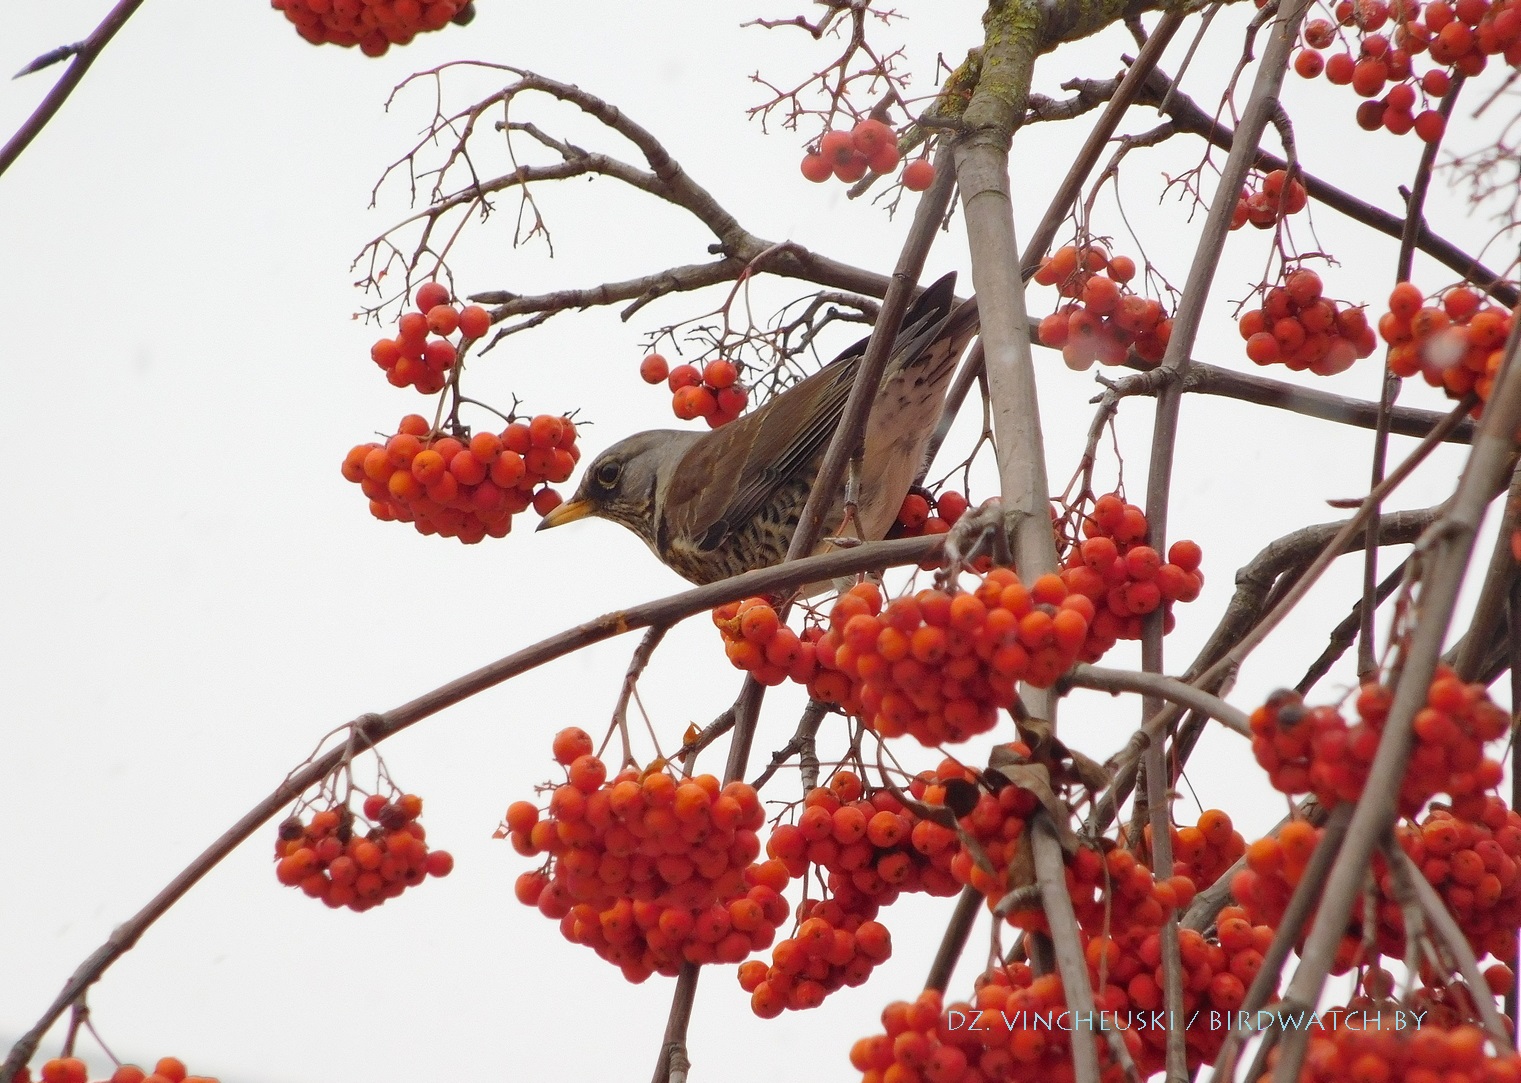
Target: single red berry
[(430, 295), (474, 321), (919, 175), (654, 369)]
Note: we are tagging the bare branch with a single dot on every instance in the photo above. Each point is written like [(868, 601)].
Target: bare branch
[(80, 55)]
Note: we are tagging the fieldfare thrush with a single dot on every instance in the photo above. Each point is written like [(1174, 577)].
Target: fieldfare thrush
[(714, 504)]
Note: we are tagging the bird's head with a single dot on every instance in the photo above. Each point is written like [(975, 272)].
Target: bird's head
[(622, 484)]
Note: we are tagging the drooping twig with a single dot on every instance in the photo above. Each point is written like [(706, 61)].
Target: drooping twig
[(374, 728), (1343, 635)]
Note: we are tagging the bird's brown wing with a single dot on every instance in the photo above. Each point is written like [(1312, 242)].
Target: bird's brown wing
[(732, 473)]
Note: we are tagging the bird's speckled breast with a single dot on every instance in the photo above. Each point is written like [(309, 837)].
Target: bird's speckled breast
[(759, 543)]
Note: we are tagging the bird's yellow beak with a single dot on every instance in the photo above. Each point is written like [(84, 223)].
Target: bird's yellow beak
[(567, 512)]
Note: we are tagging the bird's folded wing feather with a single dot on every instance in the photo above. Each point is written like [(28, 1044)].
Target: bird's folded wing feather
[(785, 435)]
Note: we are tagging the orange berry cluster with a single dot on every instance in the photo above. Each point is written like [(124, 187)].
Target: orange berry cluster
[(412, 359), (1314, 749), (1475, 865), (1124, 578), (465, 487), (1120, 906), (74, 1070), (1206, 850), (1270, 202), (1011, 1032), (329, 860), (1448, 1001), (1481, 887), (922, 512), (1456, 342), (647, 869), (866, 841), (1348, 1049), (1105, 319), (939, 665), (832, 948), (1460, 37), (373, 25), (1298, 327), (996, 823), (1216, 976), (1275, 864), (756, 641), (1116, 891), (712, 393), (869, 145)]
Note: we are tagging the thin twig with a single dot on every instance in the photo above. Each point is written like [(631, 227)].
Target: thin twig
[(1415, 217), (81, 57), (1156, 686)]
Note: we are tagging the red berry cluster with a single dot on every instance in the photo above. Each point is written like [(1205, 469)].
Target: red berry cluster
[(649, 870), (756, 641), (1105, 320), (868, 842), (1448, 1002), (373, 25), (1012, 1032), (1455, 341), (869, 145), (1459, 36), (924, 513), (939, 665), (832, 948), (995, 823), (1123, 577), (74, 1070), (1120, 907), (412, 359), (1472, 862), (1274, 198), (329, 859), (1206, 850), (712, 393), (1298, 327), (1314, 749), (1216, 976), (465, 487), (1343, 1049), (1475, 865), (1274, 866)]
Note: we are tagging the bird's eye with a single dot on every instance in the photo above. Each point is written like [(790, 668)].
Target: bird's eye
[(607, 475)]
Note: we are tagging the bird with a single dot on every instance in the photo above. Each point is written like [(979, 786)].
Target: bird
[(714, 504)]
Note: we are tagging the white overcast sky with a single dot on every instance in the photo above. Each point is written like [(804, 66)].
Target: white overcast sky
[(193, 595)]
